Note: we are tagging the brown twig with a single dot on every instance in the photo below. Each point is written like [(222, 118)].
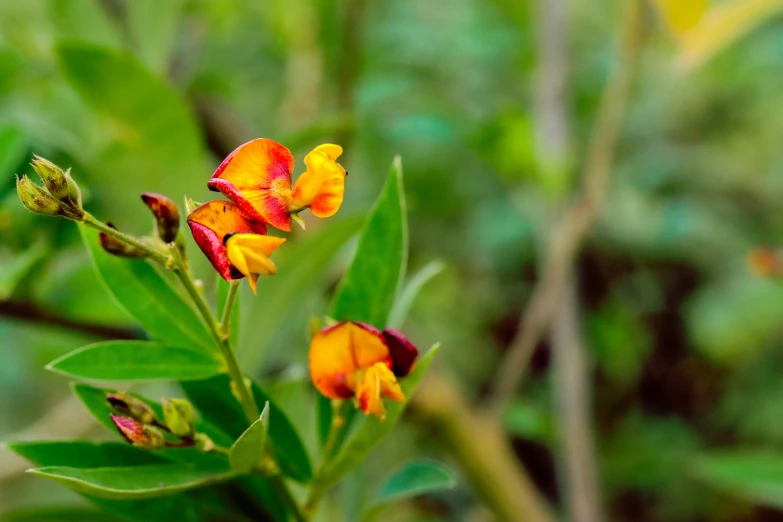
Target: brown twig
[(30, 312), (567, 236)]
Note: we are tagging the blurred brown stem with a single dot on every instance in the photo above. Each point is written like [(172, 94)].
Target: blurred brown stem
[(572, 412), (568, 234)]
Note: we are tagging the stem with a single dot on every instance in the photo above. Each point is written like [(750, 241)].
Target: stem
[(282, 490), (91, 221), (232, 366), (317, 490), (225, 320)]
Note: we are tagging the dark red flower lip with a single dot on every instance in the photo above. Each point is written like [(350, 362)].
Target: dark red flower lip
[(403, 353)]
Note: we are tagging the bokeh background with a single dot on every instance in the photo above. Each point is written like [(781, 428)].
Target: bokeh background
[(682, 342)]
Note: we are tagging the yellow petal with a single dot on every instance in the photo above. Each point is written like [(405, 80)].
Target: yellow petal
[(249, 253), (378, 382), (322, 186)]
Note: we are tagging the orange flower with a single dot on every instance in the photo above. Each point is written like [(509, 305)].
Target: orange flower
[(237, 247), (257, 177), (354, 360)]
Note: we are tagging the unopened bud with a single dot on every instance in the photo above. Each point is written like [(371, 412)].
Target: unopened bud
[(52, 176), (204, 443), (119, 248), (129, 405), (74, 192), (166, 215), (178, 416), (138, 434), (36, 198)]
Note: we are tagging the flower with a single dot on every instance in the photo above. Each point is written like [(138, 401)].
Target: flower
[(354, 360), (257, 177), (237, 247)]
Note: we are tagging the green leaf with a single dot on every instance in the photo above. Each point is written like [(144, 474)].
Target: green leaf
[(248, 450), (147, 297), (755, 476), (153, 27), (83, 20), (135, 361), (213, 398), (371, 430), (369, 287), (81, 454), (13, 270), (413, 479), (13, 148), (306, 262), (140, 482), (410, 291)]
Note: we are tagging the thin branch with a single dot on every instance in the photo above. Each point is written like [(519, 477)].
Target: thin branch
[(32, 313), (567, 236), (572, 411)]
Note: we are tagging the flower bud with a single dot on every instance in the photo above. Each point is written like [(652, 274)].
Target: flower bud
[(119, 248), (129, 405), (52, 176), (166, 215), (178, 416), (147, 437), (204, 443), (74, 192), (36, 198)]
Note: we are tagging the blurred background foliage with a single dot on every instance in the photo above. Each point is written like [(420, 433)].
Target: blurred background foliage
[(684, 344)]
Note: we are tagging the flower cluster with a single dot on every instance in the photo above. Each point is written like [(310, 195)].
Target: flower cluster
[(355, 360), (256, 178)]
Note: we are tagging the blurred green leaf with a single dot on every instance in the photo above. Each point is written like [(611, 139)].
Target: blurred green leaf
[(529, 419), (249, 449), (410, 291), (151, 138), (84, 20), (370, 430), (147, 297), (153, 28), (13, 270), (126, 483), (303, 267), (213, 398), (755, 476), (13, 148), (416, 478), (135, 361), (59, 514), (370, 287)]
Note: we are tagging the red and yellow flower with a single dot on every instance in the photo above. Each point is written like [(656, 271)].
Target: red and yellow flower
[(356, 361), (257, 178), (236, 246)]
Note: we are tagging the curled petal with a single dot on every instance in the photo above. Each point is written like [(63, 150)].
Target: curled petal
[(166, 215), (403, 353), (338, 352), (249, 254), (378, 382), (322, 186), (257, 177), (210, 223)]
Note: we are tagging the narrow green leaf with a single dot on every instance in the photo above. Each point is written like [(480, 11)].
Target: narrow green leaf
[(153, 27), (83, 20), (410, 291), (82, 454), (413, 479), (13, 270), (248, 450), (135, 361), (140, 482), (13, 148), (755, 476), (147, 297), (59, 514), (370, 430), (370, 286), (213, 398)]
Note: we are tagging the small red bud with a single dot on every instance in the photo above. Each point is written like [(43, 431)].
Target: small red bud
[(116, 247), (137, 433), (402, 352), (166, 215)]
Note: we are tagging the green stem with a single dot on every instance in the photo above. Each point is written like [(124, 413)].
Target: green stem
[(317, 489), (157, 255), (285, 494), (225, 321), (241, 388)]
